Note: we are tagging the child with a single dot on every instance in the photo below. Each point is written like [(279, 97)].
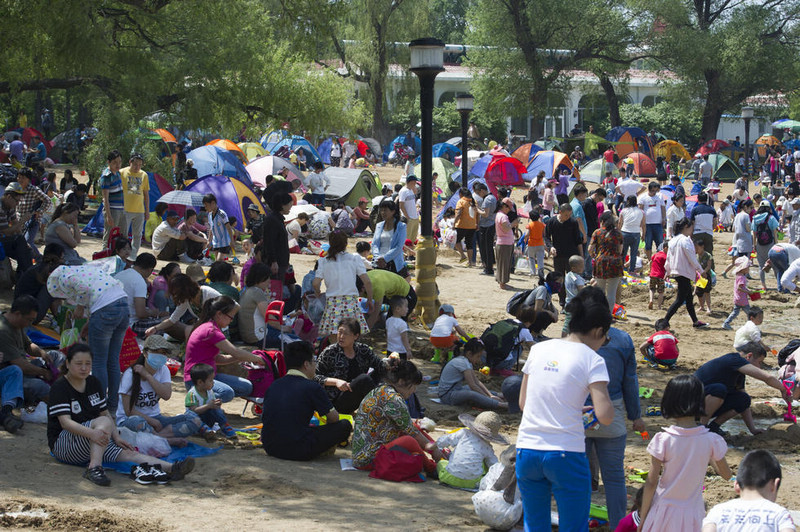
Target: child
[(662, 346), (630, 522), (749, 332), (247, 249), (154, 220), (548, 198), (458, 383), (397, 328), (447, 234), (220, 239), (726, 215), (741, 294), (201, 400), (535, 249), (757, 483), (707, 262), (442, 336), (365, 250), (683, 450), (472, 452), (235, 233), (573, 283), (658, 272)]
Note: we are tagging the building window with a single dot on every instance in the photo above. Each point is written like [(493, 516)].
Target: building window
[(650, 101)]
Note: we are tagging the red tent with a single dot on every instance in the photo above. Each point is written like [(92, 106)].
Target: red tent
[(29, 132), (506, 171), (643, 166), (712, 146)]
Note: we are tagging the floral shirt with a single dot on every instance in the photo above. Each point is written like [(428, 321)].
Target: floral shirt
[(382, 417), (608, 261), (333, 364)]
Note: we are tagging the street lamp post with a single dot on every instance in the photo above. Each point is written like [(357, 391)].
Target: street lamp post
[(464, 105), (427, 61), (747, 115)]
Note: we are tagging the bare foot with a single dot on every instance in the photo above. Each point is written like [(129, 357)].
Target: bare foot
[(650, 305)]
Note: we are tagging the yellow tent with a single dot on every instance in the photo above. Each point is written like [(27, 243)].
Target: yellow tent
[(668, 148), (252, 150), (765, 141)]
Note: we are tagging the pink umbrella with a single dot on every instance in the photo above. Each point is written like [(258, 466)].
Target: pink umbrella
[(261, 167)]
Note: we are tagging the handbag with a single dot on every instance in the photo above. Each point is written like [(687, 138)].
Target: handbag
[(397, 465)]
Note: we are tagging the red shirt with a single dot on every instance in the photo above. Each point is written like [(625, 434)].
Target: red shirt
[(657, 269), (608, 155), (666, 345)]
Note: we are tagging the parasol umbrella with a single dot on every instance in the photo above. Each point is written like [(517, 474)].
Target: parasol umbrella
[(182, 197)]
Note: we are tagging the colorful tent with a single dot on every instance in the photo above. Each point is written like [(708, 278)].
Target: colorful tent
[(349, 185), (444, 168), (629, 140), (212, 160), (478, 169), (724, 168), (166, 136), (158, 187), (550, 162), (261, 167), (766, 141), (233, 196), (526, 152), (643, 166), (402, 140), (595, 171), (444, 149), (273, 137), (374, 146), (668, 148), (505, 171), (252, 150), (229, 145), (712, 146), (295, 143), (588, 143)]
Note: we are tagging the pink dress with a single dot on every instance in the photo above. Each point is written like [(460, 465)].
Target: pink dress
[(678, 502)]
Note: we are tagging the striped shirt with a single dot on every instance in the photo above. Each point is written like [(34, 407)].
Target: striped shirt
[(79, 406), (113, 183), (220, 237)]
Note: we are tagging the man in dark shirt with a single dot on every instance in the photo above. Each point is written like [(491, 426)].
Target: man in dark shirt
[(793, 188), (723, 379), (290, 403), (565, 235), (34, 281), (12, 226)]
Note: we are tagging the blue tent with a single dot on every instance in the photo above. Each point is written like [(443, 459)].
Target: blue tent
[(272, 138), (211, 160), (324, 150), (479, 168), (294, 143), (402, 140), (452, 200), (444, 150)]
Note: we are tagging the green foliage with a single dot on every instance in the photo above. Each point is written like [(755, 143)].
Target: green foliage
[(673, 121), (449, 20)]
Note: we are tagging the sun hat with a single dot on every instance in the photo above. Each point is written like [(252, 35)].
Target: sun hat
[(196, 273), (509, 456), (486, 425), (742, 263), (156, 342)]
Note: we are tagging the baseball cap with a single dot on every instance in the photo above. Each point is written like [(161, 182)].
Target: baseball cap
[(252, 207), (172, 214), (411, 178), (447, 309), (14, 187)]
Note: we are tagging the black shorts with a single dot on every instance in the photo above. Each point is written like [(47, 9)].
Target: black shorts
[(225, 250), (467, 235), (736, 400)]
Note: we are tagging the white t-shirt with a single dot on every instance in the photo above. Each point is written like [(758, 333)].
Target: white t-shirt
[(443, 326), (340, 274), (559, 374), (409, 199), (135, 286), (161, 236), (147, 402), (652, 208), (317, 182), (632, 220), (206, 293), (758, 515), (628, 187), (394, 328), (749, 332), (294, 227)]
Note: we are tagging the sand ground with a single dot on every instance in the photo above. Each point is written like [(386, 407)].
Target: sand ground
[(242, 488)]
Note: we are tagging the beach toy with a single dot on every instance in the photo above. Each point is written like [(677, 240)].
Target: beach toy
[(789, 384), (645, 393), (644, 434), (485, 370), (173, 366), (755, 296), (619, 312), (363, 305), (590, 420), (702, 282), (598, 512)]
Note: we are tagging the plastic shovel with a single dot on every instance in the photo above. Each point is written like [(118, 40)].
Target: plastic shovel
[(789, 416)]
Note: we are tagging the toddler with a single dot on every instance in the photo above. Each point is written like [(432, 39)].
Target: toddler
[(662, 346), (247, 249), (741, 294), (397, 328), (201, 400), (365, 250), (749, 332), (442, 336), (707, 262), (630, 522), (658, 272), (535, 249), (471, 450), (573, 283)]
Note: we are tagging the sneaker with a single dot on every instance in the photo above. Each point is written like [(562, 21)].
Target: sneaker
[(97, 475), (142, 474), (700, 325), (228, 431), (12, 423), (727, 327), (184, 258), (181, 468), (716, 429), (159, 475), (205, 261)]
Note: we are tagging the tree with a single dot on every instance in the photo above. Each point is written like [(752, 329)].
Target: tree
[(669, 119)]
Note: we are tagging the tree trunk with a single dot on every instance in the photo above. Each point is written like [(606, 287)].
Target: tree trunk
[(378, 120), (611, 98), (712, 111)]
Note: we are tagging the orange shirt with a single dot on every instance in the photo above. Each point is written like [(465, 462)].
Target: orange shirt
[(465, 221), (536, 233)]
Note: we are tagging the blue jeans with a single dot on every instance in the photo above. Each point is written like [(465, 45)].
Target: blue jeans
[(226, 387), (183, 425), (565, 475), (780, 263), (107, 328), (611, 458), (654, 233), (317, 199), (735, 312), (630, 245), (32, 231), (214, 415), (465, 395), (161, 300), (11, 386)]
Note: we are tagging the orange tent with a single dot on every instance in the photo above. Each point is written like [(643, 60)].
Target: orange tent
[(526, 153), (643, 166), (166, 136), (231, 146)]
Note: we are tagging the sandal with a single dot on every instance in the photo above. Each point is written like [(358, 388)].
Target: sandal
[(12, 423), (97, 475)]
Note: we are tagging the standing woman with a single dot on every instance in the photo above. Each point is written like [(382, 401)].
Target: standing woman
[(103, 298), (606, 248), (675, 212), (466, 223), (64, 231), (389, 239), (631, 223), (551, 448), (742, 234), (683, 266), (339, 270), (765, 235), (504, 249), (275, 249)]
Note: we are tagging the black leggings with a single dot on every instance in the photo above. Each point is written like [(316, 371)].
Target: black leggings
[(348, 402), (684, 297)]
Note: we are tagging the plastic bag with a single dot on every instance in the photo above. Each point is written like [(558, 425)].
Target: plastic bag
[(494, 511), (37, 415), (152, 445)]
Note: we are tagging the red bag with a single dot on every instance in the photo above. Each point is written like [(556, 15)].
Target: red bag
[(262, 378), (109, 249), (276, 290), (397, 465)]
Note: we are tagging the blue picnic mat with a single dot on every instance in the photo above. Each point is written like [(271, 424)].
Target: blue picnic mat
[(192, 449)]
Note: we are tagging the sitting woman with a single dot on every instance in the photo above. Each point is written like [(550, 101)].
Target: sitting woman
[(361, 214), (207, 345), (254, 302), (122, 254), (189, 298), (459, 384), (389, 239), (159, 298), (64, 231), (143, 385), (348, 369), (343, 221), (383, 419), (80, 430)]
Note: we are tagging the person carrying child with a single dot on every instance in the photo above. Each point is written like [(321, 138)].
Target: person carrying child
[(757, 481), (573, 283), (458, 383), (749, 332), (397, 328), (201, 400), (658, 273), (741, 294), (471, 450), (442, 336), (703, 293), (673, 499), (288, 405), (661, 348)]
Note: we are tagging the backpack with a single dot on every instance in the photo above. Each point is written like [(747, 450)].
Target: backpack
[(790, 348), (518, 300), (262, 378), (764, 233), (499, 339)]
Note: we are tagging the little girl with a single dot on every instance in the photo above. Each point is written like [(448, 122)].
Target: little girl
[(159, 292), (672, 499), (459, 385), (442, 335), (472, 454), (548, 199), (630, 522), (397, 328)]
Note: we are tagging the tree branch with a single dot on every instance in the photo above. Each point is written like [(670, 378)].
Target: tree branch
[(103, 83)]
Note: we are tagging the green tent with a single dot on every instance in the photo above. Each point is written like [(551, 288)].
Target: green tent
[(587, 142), (350, 185), (595, 171), (724, 168), (444, 168)]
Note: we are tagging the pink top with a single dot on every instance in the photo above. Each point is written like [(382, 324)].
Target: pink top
[(159, 283), (740, 298), (629, 523), (682, 259), (548, 199), (505, 235), (601, 208), (202, 347)]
